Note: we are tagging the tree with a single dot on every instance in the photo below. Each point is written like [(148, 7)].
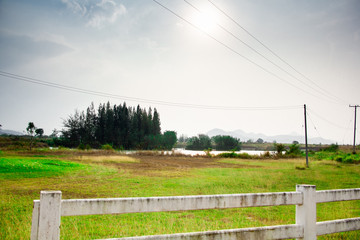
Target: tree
[(31, 132), (226, 143), (120, 126), (294, 149), (156, 123), (169, 139), (280, 148), (261, 141), (199, 142), (39, 132), (54, 133)]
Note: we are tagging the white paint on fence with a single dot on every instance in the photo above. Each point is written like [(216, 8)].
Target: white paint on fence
[(47, 212), (337, 195), (77, 207), (49, 215), (272, 232), (341, 225), (306, 212)]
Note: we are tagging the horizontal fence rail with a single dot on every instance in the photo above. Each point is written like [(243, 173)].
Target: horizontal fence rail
[(48, 210), (77, 207), (272, 232), (337, 195)]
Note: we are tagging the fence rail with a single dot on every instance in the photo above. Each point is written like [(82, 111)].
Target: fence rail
[(48, 210)]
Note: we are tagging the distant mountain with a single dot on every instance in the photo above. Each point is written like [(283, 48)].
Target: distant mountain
[(244, 136), (10, 132)]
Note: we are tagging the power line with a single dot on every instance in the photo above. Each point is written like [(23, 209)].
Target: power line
[(143, 100), (314, 125), (233, 50), (326, 120), (260, 54), (271, 51)]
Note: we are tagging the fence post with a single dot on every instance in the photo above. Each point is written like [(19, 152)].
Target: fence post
[(306, 213), (50, 214)]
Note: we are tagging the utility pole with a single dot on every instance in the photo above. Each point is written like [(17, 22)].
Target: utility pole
[(355, 106), (306, 142)]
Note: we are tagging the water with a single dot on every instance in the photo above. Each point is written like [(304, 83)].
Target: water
[(194, 153)]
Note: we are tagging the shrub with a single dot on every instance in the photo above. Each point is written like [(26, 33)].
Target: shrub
[(331, 148), (300, 167), (266, 155), (81, 146), (279, 148), (107, 147), (235, 155), (228, 155), (207, 152), (294, 149), (338, 158)]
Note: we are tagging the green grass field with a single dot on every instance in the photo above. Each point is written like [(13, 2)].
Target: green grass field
[(23, 176)]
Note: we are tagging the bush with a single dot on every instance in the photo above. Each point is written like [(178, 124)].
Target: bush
[(300, 167), (235, 155), (331, 148), (294, 149), (107, 147), (81, 146), (338, 158), (279, 148), (266, 155), (207, 152)]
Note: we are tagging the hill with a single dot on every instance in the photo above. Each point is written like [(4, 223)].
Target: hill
[(10, 132), (288, 138)]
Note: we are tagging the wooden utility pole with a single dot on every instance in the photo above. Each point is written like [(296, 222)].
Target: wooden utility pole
[(355, 106), (306, 142)]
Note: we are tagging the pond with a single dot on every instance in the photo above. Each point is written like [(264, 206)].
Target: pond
[(194, 153)]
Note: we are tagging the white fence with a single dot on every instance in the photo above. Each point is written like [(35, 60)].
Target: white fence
[(48, 210)]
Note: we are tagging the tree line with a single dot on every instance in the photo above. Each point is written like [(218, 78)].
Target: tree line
[(220, 143), (120, 126)]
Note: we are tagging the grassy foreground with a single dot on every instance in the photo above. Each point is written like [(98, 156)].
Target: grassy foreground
[(98, 175)]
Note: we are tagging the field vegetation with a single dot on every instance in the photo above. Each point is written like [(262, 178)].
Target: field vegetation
[(110, 173)]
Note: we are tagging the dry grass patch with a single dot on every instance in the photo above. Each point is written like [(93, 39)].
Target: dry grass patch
[(105, 159)]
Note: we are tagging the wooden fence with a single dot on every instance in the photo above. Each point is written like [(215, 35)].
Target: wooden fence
[(48, 210)]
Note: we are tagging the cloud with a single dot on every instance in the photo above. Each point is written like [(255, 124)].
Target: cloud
[(97, 13), (20, 49)]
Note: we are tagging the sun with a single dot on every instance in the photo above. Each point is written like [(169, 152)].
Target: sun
[(206, 20)]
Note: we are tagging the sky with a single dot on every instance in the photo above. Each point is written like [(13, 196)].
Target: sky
[(203, 64)]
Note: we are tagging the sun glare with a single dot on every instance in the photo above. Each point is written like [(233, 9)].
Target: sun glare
[(206, 20)]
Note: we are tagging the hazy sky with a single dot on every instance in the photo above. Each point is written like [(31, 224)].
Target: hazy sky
[(197, 79)]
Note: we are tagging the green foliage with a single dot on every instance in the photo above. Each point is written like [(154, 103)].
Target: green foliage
[(121, 126), (31, 129), (208, 152), (338, 156), (81, 146), (107, 147), (300, 167), (226, 143), (199, 142), (331, 148), (39, 132), (294, 150), (279, 148), (235, 155), (169, 139)]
